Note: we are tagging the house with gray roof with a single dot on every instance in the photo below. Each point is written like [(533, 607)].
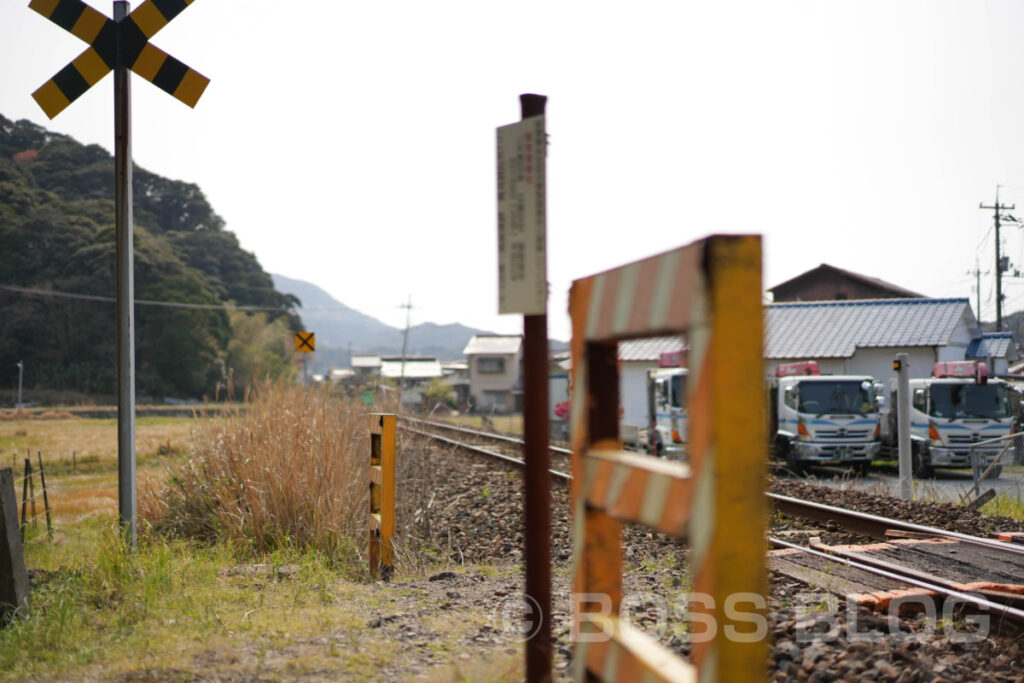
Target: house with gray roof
[(412, 374), (864, 336), (495, 372), (996, 349)]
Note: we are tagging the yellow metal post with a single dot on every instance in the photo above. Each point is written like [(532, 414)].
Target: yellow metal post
[(382, 494)]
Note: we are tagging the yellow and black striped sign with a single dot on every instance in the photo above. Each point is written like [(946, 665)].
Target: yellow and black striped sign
[(305, 342), (115, 43)]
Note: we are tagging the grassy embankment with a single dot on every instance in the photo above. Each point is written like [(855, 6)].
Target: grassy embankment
[(249, 560)]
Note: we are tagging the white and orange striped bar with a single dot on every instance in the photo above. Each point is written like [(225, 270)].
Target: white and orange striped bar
[(615, 651), (637, 488), (652, 297)]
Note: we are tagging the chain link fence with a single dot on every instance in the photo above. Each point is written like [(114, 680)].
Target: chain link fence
[(1009, 449)]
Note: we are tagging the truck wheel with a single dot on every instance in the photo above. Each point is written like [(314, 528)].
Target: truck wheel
[(655, 445), (783, 451), (917, 466)]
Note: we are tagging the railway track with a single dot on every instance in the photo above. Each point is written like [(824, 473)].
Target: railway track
[(487, 444), (992, 580)]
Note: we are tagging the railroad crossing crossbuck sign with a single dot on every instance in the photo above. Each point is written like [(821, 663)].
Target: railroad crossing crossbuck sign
[(104, 37), (305, 342)]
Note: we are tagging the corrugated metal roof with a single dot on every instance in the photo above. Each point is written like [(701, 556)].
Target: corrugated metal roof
[(415, 368), (648, 349), (493, 343), (834, 329), (994, 345)]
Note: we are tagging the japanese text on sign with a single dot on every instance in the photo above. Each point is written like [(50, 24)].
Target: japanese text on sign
[(522, 226)]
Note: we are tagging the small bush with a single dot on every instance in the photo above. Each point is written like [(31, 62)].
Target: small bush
[(289, 470)]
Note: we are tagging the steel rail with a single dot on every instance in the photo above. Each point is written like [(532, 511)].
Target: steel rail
[(862, 522), (857, 521), (1005, 610), (875, 526), (483, 451), (474, 432)]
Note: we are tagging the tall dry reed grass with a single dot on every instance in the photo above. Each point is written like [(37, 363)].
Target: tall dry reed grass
[(291, 469)]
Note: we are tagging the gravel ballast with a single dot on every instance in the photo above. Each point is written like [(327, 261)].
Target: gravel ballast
[(471, 511)]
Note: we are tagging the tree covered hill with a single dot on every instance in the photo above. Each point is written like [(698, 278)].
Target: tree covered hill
[(57, 230)]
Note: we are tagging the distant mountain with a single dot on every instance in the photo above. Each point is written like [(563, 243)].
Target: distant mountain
[(335, 323), (338, 326)]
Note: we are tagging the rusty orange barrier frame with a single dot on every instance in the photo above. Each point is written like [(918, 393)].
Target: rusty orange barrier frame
[(382, 494), (709, 291)]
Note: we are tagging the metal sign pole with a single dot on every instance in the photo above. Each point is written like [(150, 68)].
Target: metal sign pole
[(119, 45), (125, 287), (523, 288), (537, 479), (902, 366)]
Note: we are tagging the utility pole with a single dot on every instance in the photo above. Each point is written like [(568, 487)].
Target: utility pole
[(977, 273), (405, 344), (997, 207)]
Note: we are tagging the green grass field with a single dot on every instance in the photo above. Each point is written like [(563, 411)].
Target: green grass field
[(180, 609)]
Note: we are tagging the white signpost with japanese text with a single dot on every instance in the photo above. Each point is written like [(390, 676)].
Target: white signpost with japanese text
[(523, 288), (522, 229)]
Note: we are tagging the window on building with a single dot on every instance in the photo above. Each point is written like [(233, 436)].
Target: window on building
[(490, 364), (496, 398)]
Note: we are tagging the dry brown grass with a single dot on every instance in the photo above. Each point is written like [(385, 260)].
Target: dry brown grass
[(291, 470), (87, 440)]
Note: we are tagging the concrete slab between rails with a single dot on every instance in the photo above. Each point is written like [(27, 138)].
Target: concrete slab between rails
[(824, 574), (962, 567)]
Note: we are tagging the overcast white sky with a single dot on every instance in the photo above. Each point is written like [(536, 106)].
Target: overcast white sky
[(352, 144)]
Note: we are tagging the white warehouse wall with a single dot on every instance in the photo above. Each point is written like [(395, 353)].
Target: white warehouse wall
[(878, 362), (633, 392)]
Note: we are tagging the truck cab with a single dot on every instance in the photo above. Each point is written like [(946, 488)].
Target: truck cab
[(957, 406), (823, 419), (667, 415)]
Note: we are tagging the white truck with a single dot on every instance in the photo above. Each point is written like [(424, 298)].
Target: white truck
[(822, 419), (955, 407), (666, 412)]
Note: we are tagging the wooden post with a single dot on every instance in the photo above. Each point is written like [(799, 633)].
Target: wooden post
[(14, 586), (31, 490), (46, 499), (24, 497)]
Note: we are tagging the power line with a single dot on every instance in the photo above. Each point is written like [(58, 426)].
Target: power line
[(144, 302)]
